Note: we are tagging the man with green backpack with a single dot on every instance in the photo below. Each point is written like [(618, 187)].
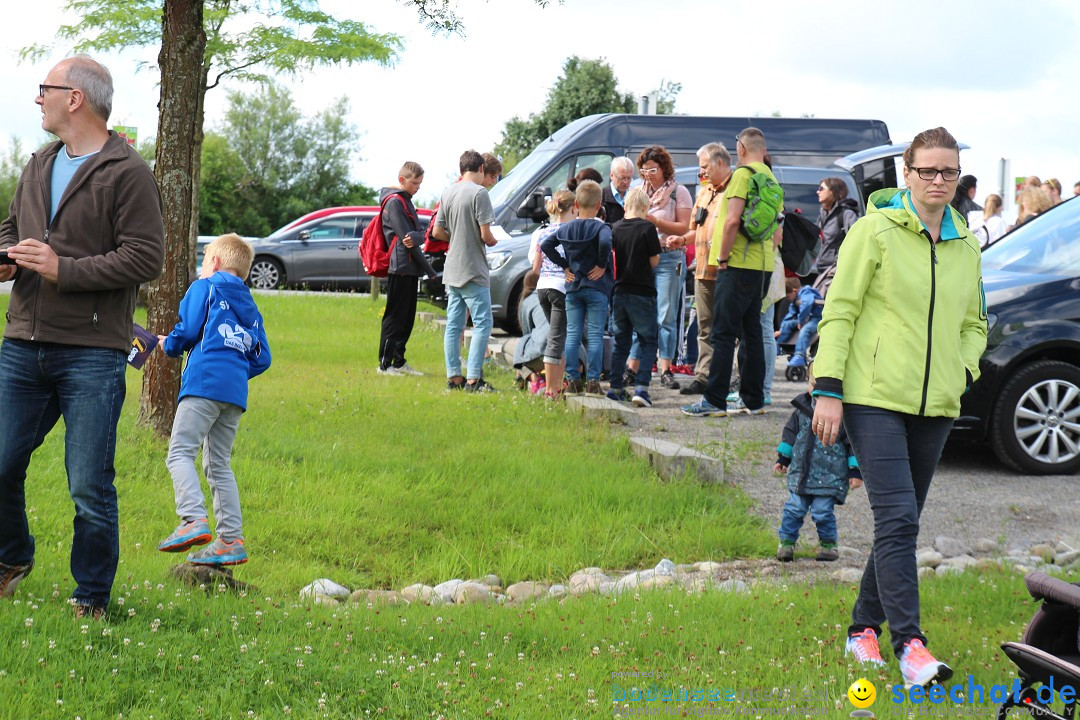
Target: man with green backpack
[(743, 248)]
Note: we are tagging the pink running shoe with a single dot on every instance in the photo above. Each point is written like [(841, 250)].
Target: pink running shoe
[(864, 646), (919, 667)]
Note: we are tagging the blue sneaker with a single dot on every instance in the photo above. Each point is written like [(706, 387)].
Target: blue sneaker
[(704, 408), (618, 395), (187, 535), (739, 408), (641, 398), (768, 399), (797, 361), (220, 553)]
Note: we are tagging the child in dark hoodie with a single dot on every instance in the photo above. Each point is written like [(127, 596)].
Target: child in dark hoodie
[(586, 242), (221, 326), (818, 478)]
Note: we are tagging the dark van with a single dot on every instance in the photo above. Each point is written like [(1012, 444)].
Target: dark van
[(594, 140)]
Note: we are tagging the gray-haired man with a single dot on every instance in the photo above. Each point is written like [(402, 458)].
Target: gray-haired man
[(622, 173)]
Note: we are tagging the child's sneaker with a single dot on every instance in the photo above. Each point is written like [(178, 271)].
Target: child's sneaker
[(592, 387), (828, 553), (187, 535), (641, 398), (786, 551), (629, 377), (667, 379), (220, 552), (919, 667), (797, 360), (576, 387), (11, 576), (538, 385), (618, 395), (864, 647)]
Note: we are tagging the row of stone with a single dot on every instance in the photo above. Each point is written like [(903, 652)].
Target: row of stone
[(697, 577)]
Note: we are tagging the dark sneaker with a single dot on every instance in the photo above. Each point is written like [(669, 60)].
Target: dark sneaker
[(786, 552), (89, 612), (641, 398), (187, 535), (576, 387), (480, 386), (451, 385), (703, 408), (696, 387), (618, 395), (828, 553), (592, 387), (220, 552), (11, 576), (628, 378), (668, 380)]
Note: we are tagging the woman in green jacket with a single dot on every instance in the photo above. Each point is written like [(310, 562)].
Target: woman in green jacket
[(901, 335)]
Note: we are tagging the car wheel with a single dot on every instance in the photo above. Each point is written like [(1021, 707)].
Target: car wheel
[(510, 323), (1036, 424), (266, 274)]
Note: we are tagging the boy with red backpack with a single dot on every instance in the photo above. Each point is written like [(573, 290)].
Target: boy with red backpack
[(403, 237)]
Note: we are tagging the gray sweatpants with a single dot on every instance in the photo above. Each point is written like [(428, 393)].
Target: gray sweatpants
[(211, 424)]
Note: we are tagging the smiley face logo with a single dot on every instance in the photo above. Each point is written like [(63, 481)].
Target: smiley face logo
[(862, 693)]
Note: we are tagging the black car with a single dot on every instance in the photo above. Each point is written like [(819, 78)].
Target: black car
[(1027, 402)]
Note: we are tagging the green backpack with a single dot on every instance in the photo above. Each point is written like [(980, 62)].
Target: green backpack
[(764, 202)]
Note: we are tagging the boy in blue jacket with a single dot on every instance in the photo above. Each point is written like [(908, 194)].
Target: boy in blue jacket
[(589, 281), (802, 317), (818, 478), (223, 330)]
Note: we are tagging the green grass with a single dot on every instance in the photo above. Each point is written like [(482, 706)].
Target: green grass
[(382, 482)]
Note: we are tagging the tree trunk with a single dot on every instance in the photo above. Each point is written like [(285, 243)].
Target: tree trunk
[(183, 87)]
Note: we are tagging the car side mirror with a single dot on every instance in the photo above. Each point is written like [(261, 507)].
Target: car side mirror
[(304, 235), (533, 208)]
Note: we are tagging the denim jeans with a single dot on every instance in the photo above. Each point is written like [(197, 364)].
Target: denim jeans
[(634, 315), (820, 508), (586, 312), (806, 334), (670, 274), (768, 345), (737, 316), (212, 425), (477, 298), (39, 383), (897, 455)]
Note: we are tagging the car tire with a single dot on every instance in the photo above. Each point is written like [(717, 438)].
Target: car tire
[(510, 323), (266, 274), (1036, 421)]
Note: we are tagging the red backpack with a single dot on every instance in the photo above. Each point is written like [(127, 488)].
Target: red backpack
[(374, 252)]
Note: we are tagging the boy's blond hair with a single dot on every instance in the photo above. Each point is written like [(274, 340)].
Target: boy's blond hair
[(636, 203), (588, 194), (234, 252)]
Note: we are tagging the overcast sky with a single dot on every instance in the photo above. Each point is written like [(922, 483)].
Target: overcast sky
[(1000, 74)]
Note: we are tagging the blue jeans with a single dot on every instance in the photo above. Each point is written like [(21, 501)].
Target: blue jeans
[(806, 334), (670, 274), (477, 298), (820, 508), (634, 315), (585, 306), (737, 316), (769, 348), (39, 383), (897, 455)]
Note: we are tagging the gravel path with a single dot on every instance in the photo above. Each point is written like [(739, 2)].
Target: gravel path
[(972, 497)]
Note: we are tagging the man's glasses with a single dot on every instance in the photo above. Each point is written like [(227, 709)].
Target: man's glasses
[(648, 171), (929, 173), (42, 88)]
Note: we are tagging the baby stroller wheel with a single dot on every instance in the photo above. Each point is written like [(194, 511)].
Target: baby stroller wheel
[(795, 374)]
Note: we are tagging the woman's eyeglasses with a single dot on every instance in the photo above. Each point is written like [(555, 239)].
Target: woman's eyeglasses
[(929, 173), (648, 171)]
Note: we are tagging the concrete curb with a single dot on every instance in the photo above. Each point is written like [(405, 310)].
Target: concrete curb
[(671, 460)]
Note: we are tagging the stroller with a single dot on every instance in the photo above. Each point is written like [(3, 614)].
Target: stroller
[(1049, 648)]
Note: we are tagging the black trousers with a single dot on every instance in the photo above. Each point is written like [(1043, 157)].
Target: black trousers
[(398, 319)]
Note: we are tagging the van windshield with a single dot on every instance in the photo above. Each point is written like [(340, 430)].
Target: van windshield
[(523, 173)]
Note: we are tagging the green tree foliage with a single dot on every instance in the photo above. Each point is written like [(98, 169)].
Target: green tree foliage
[(267, 164), (586, 87), (12, 161)]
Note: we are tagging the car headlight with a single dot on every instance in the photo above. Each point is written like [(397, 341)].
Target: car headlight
[(497, 259)]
